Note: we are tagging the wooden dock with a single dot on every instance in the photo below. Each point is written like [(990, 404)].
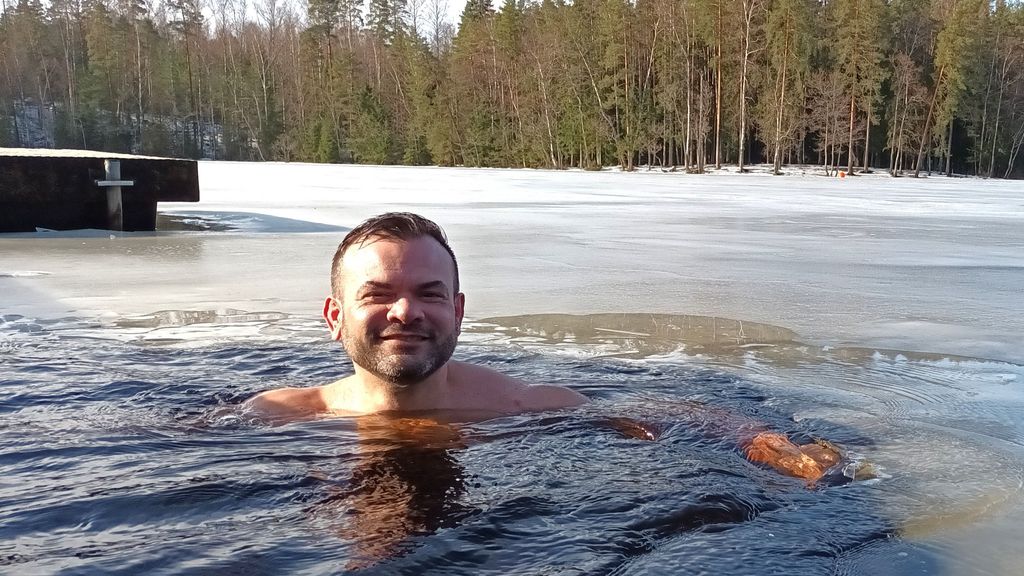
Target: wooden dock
[(76, 189)]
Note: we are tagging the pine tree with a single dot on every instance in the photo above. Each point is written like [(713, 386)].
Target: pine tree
[(789, 48), (953, 50), (752, 15), (475, 11), (860, 50), (957, 52), (371, 141), (385, 19)]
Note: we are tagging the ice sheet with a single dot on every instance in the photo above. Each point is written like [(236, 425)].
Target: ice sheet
[(932, 264)]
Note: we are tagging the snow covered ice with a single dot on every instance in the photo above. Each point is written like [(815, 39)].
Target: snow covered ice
[(933, 265)]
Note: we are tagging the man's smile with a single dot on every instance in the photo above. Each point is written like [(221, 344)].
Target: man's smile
[(404, 336)]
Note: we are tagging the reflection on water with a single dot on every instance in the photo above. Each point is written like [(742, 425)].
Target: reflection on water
[(638, 335), (405, 482), (177, 318), (119, 457), (646, 334)]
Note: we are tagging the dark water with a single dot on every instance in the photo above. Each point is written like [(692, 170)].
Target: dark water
[(126, 456)]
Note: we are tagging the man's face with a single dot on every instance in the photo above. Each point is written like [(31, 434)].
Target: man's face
[(399, 318)]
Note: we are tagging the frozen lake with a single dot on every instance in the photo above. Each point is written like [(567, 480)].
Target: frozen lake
[(884, 314), (931, 265)]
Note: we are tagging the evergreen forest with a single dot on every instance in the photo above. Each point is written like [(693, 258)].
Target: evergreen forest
[(904, 86)]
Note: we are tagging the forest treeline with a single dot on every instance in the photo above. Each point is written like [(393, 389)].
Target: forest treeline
[(901, 85)]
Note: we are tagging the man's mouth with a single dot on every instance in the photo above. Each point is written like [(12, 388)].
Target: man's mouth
[(405, 336)]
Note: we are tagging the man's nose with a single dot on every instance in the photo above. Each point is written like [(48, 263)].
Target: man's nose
[(405, 311)]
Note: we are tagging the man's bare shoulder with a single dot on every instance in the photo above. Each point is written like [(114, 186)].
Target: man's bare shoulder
[(288, 401), (485, 387), (545, 397)]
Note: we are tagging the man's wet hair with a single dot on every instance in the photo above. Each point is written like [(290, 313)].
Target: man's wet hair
[(403, 226)]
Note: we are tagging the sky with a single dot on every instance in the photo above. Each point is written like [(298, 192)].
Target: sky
[(455, 10)]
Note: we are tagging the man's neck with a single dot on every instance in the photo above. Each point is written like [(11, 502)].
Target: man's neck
[(366, 393)]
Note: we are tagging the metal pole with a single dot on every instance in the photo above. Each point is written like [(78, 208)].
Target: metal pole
[(115, 209)]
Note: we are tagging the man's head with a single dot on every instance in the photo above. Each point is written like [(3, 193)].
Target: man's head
[(395, 302), (398, 226)]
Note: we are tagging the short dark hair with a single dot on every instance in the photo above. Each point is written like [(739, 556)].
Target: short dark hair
[(393, 226)]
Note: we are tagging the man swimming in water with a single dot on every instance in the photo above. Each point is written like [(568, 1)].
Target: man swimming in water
[(395, 306)]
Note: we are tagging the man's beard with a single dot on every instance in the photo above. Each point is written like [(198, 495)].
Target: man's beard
[(367, 351)]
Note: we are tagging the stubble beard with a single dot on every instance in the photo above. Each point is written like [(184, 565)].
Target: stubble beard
[(401, 370)]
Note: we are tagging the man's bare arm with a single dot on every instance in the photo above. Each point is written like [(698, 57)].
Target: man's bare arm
[(754, 439)]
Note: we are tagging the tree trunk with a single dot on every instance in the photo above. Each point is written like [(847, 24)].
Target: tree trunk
[(995, 129), (984, 109), (867, 141), (1015, 144), (849, 151), (67, 42), (748, 15), (894, 134), (928, 124), (138, 69), (824, 149), (701, 120), (949, 150), (547, 116), (718, 89), (902, 129), (780, 107), (689, 93), (629, 148)]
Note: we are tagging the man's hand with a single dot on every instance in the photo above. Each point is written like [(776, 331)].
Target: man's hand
[(809, 461)]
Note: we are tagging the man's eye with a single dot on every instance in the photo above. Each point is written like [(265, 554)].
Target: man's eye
[(434, 295)]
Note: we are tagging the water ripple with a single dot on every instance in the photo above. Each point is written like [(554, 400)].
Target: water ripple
[(127, 457)]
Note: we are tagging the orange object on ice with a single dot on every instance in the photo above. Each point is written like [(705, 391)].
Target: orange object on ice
[(842, 174)]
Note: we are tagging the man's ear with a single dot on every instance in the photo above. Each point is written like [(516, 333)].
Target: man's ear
[(333, 316), (460, 309)]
